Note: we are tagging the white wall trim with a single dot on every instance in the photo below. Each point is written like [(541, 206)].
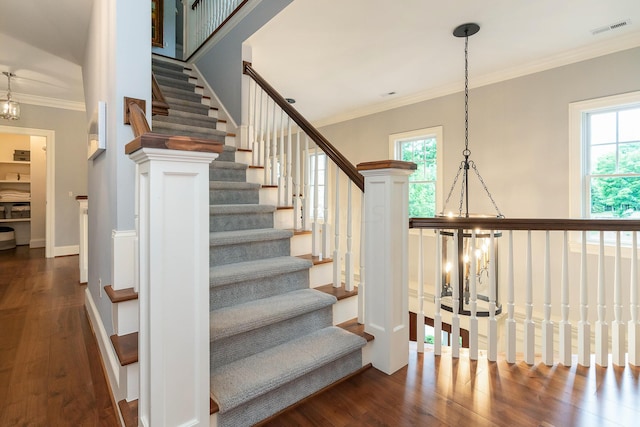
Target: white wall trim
[(43, 101), (37, 243), (66, 250), (108, 354)]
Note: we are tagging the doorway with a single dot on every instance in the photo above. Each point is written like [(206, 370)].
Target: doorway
[(42, 140)]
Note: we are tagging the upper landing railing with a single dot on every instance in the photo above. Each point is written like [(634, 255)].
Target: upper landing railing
[(205, 17), (545, 283)]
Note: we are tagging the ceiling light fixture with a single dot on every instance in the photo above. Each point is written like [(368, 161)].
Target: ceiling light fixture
[(471, 296), (9, 109)]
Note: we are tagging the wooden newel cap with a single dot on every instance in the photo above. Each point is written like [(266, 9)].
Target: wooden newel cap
[(386, 164)]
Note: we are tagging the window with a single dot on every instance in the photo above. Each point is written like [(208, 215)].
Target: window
[(422, 147), (320, 159), (605, 159), (612, 170)]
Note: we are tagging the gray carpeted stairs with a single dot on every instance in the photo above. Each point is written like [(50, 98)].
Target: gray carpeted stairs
[(272, 342)]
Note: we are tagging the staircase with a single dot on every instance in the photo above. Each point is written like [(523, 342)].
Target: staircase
[(272, 339)]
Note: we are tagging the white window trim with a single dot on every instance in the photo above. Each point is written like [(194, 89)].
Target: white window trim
[(577, 158), (436, 131)]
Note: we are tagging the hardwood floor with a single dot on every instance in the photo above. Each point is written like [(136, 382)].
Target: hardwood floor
[(51, 375), (441, 391), (50, 369)]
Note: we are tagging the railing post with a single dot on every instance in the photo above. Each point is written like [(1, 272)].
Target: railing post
[(634, 322), (386, 223), (172, 210)]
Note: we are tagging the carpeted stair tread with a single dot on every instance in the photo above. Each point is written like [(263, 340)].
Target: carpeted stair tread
[(221, 164), (251, 270), (221, 238), (179, 83), (245, 379), (176, 129), (169, 73), (239, 209), (240, 318), (159, 63), (230, 185), (184, 102), (199, 120)]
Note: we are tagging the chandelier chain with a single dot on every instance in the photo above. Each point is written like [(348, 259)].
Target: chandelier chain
[(486, 189), (466, 151)]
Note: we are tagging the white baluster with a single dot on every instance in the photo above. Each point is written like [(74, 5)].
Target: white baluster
[(362, 285), (602, 329), (529, 325), (315, 229), (297, 206), (306, 213), (267, 145), (258, 147), (471, 266), (618, 328), (282, 169), (274, 149), (420, 314), (565, 324), (584, 327), (492, 353), (348, 256), (511, 323), (455, 318), (337, 266), (326, 238), (288, 183), (437, 317), (634, 322), (547, 324)]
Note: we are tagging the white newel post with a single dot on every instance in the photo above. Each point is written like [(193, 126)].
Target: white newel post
[(172, 216), (386, 261)]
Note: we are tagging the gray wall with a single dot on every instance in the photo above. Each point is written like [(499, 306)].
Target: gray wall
[(518, 132), (70, 162), (222, 65)]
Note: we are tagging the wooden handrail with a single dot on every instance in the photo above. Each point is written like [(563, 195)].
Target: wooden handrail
[(137, 119), (336, 156), (494, 223), (173, 142), (159, 104), (195, 4)]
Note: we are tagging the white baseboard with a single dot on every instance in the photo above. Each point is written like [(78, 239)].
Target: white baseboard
[(37, 243), (66, 250), (108, 354)]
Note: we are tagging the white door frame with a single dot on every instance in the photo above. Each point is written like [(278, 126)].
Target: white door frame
[(50, 135)]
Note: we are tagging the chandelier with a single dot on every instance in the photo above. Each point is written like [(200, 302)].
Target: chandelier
[(472, 250), (9, 109)]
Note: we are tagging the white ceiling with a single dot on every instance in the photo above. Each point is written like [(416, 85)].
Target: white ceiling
[(339, 58), (43, 43)]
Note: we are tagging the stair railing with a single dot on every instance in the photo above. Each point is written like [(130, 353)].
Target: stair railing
[(295, 157), (205, 17), (578, 275)]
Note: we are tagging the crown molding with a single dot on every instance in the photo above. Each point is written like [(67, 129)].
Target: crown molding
[(595, 50), (43, 101)]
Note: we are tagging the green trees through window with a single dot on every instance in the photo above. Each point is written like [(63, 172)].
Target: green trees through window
[(613, 142)]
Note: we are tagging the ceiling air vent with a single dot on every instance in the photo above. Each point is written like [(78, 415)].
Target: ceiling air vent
[(614, 26)]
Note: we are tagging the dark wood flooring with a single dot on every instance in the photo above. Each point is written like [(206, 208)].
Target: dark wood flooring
[(50, 368)]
